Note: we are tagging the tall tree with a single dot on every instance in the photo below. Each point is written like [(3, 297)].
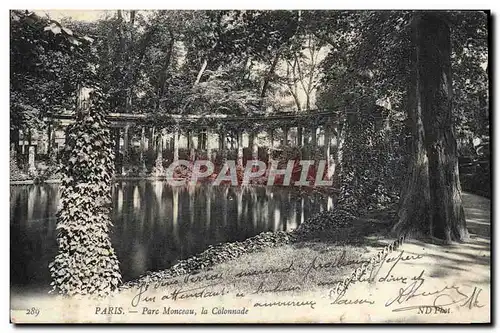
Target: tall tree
[(432, 202), (380, 44)]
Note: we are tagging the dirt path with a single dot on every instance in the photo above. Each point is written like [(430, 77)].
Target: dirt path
[(455, 276)]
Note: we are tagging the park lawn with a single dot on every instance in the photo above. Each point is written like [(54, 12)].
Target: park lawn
[(288, 270), (308, 266), (315, 263)]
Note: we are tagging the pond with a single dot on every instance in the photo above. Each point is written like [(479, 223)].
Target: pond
[(154, 224)]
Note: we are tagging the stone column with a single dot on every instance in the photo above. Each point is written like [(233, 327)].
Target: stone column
[(271, 146), (49, 139), (158, 168), (285, 135), (205, 139), (191, 145), (240, 148), (176, 144), (147, 141), (161, 141), (313, 137), (202, 139), (330, 162), (299, 136), (151, 143), (31, 160), (165, 141), (207, 144), (327, 143), (116, 134), (51, 134), (192, 154), (222, 141), (143, 150), (306, 143), (326, 147), (255, 148), (14, 137), (125, 148), (22, 134)]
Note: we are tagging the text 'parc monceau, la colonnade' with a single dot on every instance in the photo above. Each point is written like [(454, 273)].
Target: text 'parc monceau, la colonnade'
[(213, 134)]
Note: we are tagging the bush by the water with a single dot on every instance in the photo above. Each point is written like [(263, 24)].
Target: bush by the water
[(15, 171)]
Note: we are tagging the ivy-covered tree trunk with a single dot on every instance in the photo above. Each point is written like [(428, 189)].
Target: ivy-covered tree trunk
[(86, 262), (432, 203), (363, 161)]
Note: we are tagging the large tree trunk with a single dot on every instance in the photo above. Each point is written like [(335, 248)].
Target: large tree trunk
[(431, 203), (448, 217), (134, 65), (164, 70), (268, 77)]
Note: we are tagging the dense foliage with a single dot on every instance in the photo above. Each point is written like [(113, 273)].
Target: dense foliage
[(48, 61)]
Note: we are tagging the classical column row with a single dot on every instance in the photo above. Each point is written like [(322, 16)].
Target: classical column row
[(154, 139)]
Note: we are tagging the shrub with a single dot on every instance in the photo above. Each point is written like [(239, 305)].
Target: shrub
[(15, 172)]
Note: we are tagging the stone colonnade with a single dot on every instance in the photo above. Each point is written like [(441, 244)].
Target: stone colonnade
[(134, 138), (210, 143)]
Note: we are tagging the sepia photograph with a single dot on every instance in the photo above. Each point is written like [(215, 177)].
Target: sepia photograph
[(250, 166)]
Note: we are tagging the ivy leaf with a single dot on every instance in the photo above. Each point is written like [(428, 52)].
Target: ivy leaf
[(74, 41), (54, 28), (88, 39), (68, 31)]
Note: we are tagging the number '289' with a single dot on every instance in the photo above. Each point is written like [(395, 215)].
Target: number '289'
[(33, 312)]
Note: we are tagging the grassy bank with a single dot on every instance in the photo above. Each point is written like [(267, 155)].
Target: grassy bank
[(322, 251)]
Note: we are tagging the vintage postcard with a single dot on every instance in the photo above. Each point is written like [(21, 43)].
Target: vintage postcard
[(250, 166)]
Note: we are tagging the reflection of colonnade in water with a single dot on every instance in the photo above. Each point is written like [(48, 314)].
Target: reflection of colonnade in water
[(249, 205), (35, 205), (32, 233), (156, 224)]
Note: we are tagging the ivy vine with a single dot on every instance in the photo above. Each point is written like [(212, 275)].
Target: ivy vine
[(86, 262)]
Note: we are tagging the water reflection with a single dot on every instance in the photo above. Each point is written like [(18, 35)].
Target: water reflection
[(154, 224)]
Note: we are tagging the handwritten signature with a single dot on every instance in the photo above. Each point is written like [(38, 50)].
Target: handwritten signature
[(443, 297)]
